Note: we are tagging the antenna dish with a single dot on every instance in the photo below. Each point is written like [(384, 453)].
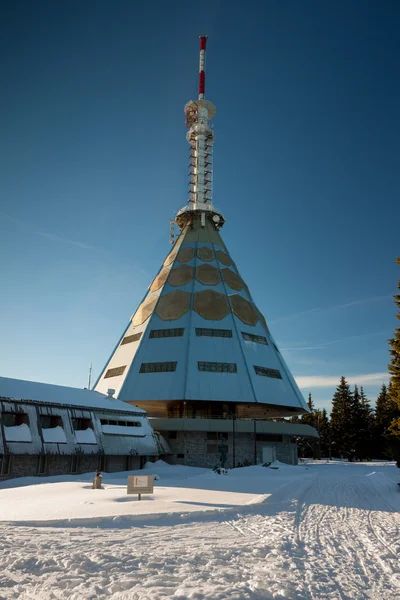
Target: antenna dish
[(216, 219)]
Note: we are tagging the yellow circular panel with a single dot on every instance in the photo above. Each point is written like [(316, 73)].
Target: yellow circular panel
[(173, 305), (211, 305), (208, 275), (144, 310), (206, 254), (232, 279), (170, 258), (181, 275), (159, 280), (223, 258), (185, 254), (243, 309)]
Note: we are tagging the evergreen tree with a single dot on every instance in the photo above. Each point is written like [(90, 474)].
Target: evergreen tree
[(364, 417), (342, 422), (394, 370), (309, 447), (323, 427), (383, 420)]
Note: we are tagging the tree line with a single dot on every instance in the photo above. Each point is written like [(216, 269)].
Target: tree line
[(354, 429)]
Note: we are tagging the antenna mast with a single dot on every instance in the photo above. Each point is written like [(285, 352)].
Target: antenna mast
[(201, 139)]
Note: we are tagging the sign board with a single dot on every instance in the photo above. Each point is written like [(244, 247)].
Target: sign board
[(140, 484)]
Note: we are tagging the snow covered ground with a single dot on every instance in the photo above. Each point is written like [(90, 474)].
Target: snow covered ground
[(317, 531)]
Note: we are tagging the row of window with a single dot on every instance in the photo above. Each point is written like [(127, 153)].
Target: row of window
[(10, 419), (211, 367), (200, 332), (121, 423)]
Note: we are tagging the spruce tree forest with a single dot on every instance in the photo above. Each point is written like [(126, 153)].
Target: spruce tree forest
[(355, 430)]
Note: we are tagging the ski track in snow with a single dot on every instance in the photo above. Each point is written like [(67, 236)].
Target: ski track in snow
[(336, 536)]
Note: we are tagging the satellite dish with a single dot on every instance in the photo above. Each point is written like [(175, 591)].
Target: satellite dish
[(216, 219)]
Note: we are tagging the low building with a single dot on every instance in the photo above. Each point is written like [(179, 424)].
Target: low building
[(231, 443), (52, 430)]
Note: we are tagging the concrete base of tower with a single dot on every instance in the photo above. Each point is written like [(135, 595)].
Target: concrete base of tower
[(230, 443)]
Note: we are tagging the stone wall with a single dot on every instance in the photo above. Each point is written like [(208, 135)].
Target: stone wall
[(192, 448)]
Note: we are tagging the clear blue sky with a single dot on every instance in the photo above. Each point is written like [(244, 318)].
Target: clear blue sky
[(94, 163)]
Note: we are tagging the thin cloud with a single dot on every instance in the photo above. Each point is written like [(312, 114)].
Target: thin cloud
[(51, 236), (325, 381), (330, 308), (323, 345), (57, 238)]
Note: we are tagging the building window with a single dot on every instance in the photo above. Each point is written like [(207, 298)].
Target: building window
[(81, 424), (41, 464), (274, 373), (50, 421), (74, 464), (268, 437), (163, 333), (257, 339), (212, 449), (120, 423), (217, 367), (226, 333), (5, 465), (172, 435), (180, 456), (114, 372), (10, 419), (158, 367), (131, 338), (214, 435)]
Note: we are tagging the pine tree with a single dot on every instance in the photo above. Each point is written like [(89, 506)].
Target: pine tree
[(365, 427), (342, 422), (323, 427), (394, 369), (309, 447), (382, 421)]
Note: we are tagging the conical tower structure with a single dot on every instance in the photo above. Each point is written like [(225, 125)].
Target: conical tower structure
[(197, 346)]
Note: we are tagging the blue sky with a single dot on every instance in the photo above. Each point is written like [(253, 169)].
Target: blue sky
[(94, 165)]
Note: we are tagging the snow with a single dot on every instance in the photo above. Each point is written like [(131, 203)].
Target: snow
[(85, 436), (18, 433), (54, 435), (19, 389), (322, 530)]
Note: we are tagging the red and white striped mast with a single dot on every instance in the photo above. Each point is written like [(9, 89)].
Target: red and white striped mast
[(201, 139)]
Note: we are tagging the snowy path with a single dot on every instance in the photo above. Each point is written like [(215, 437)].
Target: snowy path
[(335, 536)]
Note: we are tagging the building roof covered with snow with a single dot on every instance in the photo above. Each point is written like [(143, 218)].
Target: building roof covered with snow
[(32, 391)]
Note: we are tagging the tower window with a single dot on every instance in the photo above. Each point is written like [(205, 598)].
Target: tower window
[(114, 372), (131, 338), (257, 339), (269, 437), (274, 373), (158, 367), (217, 367), (163, 333), (226, 333)]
